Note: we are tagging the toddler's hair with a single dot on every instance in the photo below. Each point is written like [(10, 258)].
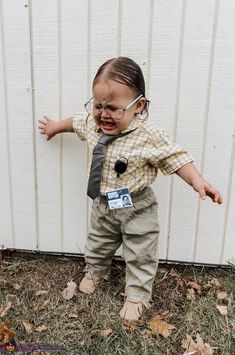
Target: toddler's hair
[(125, 71)]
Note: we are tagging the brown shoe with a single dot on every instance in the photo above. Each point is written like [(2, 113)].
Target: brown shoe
[(89, 283), (132, 310)]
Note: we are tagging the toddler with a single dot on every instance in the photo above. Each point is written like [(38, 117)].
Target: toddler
[(126, 152)]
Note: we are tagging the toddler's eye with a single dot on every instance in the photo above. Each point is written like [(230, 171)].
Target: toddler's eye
[(98, 106), (111, 108)]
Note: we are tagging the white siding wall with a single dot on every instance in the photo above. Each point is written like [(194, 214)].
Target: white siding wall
[(49, 53)]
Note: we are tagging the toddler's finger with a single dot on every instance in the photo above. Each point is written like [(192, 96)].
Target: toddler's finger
[(218, 198), (46, 118), (41, 121), (202, 194), (41, 126)]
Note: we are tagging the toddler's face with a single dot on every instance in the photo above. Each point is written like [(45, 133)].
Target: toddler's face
[(114, 97)]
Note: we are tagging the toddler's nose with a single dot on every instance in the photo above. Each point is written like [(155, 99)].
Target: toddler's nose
[(104, 113)]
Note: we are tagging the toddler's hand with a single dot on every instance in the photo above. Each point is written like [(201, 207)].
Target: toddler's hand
[(47, 126), (204, 188)]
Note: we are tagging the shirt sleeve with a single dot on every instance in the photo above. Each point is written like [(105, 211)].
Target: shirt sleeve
[(168, 157), (80, 125)]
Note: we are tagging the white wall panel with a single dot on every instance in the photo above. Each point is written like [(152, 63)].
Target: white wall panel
[(47, 81), (191, 118), (50, 51), (73, 93), (135, 31), (103, 32), (163, 81), (219, 146), (20, 127), (7, 227), (228, 246)]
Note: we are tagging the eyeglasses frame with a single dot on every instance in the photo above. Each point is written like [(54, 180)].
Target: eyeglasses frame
[(124, 109)]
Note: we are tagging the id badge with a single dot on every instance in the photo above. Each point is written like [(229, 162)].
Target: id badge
[(119, 198)]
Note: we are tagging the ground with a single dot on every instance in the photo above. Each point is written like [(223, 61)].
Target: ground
[(184, 296)]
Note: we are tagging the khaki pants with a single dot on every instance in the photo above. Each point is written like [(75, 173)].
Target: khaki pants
[(137, 228)]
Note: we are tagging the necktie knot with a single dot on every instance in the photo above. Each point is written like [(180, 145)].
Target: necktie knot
[(107, 139)]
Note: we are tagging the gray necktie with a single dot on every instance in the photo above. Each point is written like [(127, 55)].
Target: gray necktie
[(97, 163)]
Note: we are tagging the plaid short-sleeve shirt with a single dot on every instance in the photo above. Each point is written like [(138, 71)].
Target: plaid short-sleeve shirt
[(146, 150)]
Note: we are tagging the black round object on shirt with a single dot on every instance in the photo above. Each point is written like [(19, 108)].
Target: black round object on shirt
[(121, 166)]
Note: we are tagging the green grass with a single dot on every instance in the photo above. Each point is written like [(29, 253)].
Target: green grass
[(100, 311)]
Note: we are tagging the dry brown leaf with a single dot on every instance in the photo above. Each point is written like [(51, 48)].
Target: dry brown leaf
[(6, 334), (131, 325), (106, 332), (222, 309), (207, 286), (197, 348), (195, 286), (222, 295), (215, 282), (42, 292), (158, 326), (41, 328), (40, 308), (27, 326), (69, 291), (174, 273), (191, 294), (5, 310)]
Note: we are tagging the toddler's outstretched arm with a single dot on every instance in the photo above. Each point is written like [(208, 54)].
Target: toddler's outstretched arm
[(191, 175), (51, 128)]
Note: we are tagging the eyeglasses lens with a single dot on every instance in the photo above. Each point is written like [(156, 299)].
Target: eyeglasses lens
[(112, 112)]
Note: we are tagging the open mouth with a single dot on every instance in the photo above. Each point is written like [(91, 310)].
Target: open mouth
[(107, 124)]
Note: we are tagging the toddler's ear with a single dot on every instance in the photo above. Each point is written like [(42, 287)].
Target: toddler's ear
[(141, 105)]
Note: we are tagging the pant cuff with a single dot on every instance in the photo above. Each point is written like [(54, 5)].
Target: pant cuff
[(138, 298), (98, 272)]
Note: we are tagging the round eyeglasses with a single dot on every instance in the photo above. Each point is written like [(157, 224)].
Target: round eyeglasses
[(111, 110)]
